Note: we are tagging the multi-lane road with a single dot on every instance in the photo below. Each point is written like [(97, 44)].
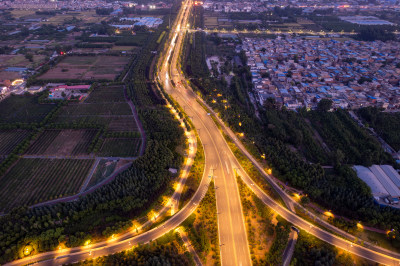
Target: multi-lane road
[(220, 165), (234, 248), (186, 98)]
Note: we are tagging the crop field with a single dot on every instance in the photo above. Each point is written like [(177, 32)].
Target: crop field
[(113, 123), (18, 60), (123, 124), (87, 68), (87, 109), (106, 95), (23, 109), (34, 180), (86, 16), (63, 142), (22, 13), (120, 147), (123, 48), (9, 139)]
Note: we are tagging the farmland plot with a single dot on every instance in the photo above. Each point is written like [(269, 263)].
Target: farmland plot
[(123, 124), (23, 109), (87, 109), (120, 147), (63, 142), (106, 95), (87, 68), (113, 123), (9, 139), (34, 180)]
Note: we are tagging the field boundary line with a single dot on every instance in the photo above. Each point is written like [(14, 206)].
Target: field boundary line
[(138, 123), (90, 175)]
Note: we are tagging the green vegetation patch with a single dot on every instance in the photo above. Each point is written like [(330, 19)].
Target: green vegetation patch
[(104, 169), (202, 228), (352, 144), (309, 250), (290, 127), (386, 124), (168, 250), (31, 181), (25, 109), (260, 230)]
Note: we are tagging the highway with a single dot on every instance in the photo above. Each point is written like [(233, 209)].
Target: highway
[(220, 165), (234, 247), (130, 239), (188, 99)]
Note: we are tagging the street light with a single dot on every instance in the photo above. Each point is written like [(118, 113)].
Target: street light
[(27, 250)]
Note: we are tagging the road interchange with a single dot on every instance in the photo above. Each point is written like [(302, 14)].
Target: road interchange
[(220, 164)]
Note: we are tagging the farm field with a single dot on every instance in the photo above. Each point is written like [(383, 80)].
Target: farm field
[(113, 123), (63, 142), (87, 16), (123, 124), (19, 60), (10, 138), (87, 109), (87, 68), (23, 109), (120, 147), (106, 95), (34, 180), (123, 48)]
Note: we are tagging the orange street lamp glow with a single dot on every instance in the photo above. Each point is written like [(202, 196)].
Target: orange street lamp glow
[(87, 243), (263, 156), (329, 214), (240, 124), (27, 250), (297, 196), (360, 226), (17, 82), (241, 134), (269, 171)]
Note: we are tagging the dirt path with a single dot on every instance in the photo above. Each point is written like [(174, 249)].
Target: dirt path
[(318, 137), (138, 123), (89, 176)]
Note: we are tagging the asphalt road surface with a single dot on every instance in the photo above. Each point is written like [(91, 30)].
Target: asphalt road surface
[(234, 247), (221, 165)]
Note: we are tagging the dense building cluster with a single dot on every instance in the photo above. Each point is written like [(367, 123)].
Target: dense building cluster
[(298, 72), (308, 6), (78, 5)]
